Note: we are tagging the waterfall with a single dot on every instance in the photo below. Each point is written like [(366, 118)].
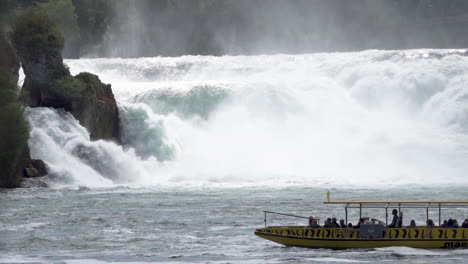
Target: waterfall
[(363, 118)]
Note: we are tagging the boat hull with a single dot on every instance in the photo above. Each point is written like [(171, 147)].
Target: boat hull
[(341, 238)]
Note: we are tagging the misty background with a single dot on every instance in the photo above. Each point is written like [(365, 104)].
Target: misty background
[(146, 28), (215, 27)]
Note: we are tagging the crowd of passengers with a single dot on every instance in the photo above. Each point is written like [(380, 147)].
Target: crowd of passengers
[(397, 222)]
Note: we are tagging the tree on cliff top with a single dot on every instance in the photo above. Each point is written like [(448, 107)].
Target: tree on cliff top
[(35, 33), (62, 13)]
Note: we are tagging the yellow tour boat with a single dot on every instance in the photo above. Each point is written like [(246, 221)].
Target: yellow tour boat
[(371, 235)]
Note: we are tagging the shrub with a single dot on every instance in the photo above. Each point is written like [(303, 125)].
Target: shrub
[(34, 34), (80, 87), (62, 13)]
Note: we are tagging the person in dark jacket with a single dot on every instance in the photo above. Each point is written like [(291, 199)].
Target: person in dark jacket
[(313, 222), (334, 224), (395, 220), (412, 224), (465, 224), (342, 223), (328, 223), (444, 224), (430, 223), (450, 223)]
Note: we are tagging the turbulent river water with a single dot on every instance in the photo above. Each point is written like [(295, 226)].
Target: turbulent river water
[(190, 225), (210, 142)]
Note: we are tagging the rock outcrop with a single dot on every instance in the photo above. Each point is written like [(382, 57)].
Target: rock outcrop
[(14, 131), (36, 168), (9, 62), (48, 82)]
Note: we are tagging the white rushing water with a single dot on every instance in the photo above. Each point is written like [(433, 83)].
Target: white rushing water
[(365, 118)]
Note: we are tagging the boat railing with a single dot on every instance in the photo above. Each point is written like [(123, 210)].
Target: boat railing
[(398, 204), (283, 214)]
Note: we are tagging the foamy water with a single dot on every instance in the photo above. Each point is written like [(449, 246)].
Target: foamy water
[(367, 118)]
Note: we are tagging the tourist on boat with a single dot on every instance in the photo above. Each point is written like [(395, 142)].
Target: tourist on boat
[(394, 223), (430, 223), (342, 223), (450, 224), (412, 224), (328, 223), (313, 222), (400, 220), (465, 223), (444, 224), (334, 224), (350, 225), (455, 223)]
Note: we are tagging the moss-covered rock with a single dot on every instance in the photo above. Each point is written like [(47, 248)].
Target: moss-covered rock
[(9, 62), (39, 45), (88, 100), (14, 134), (98, 109), (48, 82)]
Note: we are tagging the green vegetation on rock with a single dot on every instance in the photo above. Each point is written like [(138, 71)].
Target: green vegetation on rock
[(14, 130), (9, 62), (72, 88), (62, 14), (91, 82), (35, 33), (48, 82), (14, 134)]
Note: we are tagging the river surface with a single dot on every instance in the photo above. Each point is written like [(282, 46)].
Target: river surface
[(191, 225)]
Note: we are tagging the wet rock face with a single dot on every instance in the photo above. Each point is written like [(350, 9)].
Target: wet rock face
[(30, 172), (39, 45), (98, 111), (48, 82), (9, 62), (40, 166), (36, 168)]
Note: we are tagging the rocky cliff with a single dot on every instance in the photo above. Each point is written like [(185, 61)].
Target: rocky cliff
[(48, 81), (14, 131)]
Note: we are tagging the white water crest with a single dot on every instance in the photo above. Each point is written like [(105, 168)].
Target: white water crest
[(364, 118)]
